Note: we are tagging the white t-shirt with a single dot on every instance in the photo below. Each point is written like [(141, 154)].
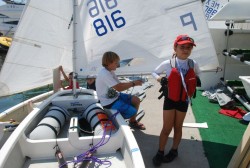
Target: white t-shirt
[(105, 80), (165, 66)]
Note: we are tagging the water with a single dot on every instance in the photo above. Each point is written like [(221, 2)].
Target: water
[(10, 101)]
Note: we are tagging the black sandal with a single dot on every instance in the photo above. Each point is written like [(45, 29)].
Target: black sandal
[(173, 153), (137, 125)]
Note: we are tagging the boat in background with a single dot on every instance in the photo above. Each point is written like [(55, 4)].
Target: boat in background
[(246, 82), (10, 14), (5, 43)]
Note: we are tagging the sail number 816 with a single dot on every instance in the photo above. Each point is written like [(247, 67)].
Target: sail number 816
[(101, 28), (103, 25)]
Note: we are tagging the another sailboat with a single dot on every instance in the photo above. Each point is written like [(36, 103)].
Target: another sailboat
[(142, 31), (10, 14), (5, 43)]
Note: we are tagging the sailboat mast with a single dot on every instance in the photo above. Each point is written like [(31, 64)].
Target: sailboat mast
[(74, 47)]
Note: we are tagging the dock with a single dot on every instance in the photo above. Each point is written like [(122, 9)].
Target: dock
[(190, 152)]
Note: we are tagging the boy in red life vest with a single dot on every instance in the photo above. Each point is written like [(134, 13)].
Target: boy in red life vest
[(180, 82), (69, 79)]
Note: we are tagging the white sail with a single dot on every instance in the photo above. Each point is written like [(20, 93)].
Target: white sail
[(41, 43), (211, 7), (237, 10), (143, 31)]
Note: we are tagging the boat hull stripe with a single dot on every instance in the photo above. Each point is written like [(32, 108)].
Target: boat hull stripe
[(61, 111), (59, 122), (87, 108)]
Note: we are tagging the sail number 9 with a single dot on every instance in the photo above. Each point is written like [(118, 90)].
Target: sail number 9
[(102, 25)]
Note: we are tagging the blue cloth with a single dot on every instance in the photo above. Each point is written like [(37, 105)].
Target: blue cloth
[(124, 106)]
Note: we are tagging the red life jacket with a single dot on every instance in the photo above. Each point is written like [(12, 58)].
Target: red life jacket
[(176, 91), (71, 85)]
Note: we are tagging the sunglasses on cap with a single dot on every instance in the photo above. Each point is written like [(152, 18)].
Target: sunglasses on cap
[(185, 38)]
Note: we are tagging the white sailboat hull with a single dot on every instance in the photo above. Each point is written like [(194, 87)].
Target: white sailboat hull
[(9, 17), (20, 150), (246, 83)]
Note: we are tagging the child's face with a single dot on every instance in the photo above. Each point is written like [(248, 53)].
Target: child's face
[(112, 66), (90, 80), (183, 51), (70, 77)]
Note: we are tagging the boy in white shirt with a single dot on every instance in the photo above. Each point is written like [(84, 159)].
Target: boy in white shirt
[(108, 88)]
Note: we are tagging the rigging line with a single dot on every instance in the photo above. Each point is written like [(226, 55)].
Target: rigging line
[(71, 20), (95, 146), (87, 156), (102, 141), (6, 34), (59, 155)]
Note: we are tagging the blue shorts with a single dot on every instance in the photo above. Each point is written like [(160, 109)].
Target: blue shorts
[(124, 106)]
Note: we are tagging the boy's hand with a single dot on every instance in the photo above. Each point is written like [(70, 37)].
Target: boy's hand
[(60, 68)]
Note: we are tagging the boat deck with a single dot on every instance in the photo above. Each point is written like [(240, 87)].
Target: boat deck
[(116, 161), (191, 153)]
